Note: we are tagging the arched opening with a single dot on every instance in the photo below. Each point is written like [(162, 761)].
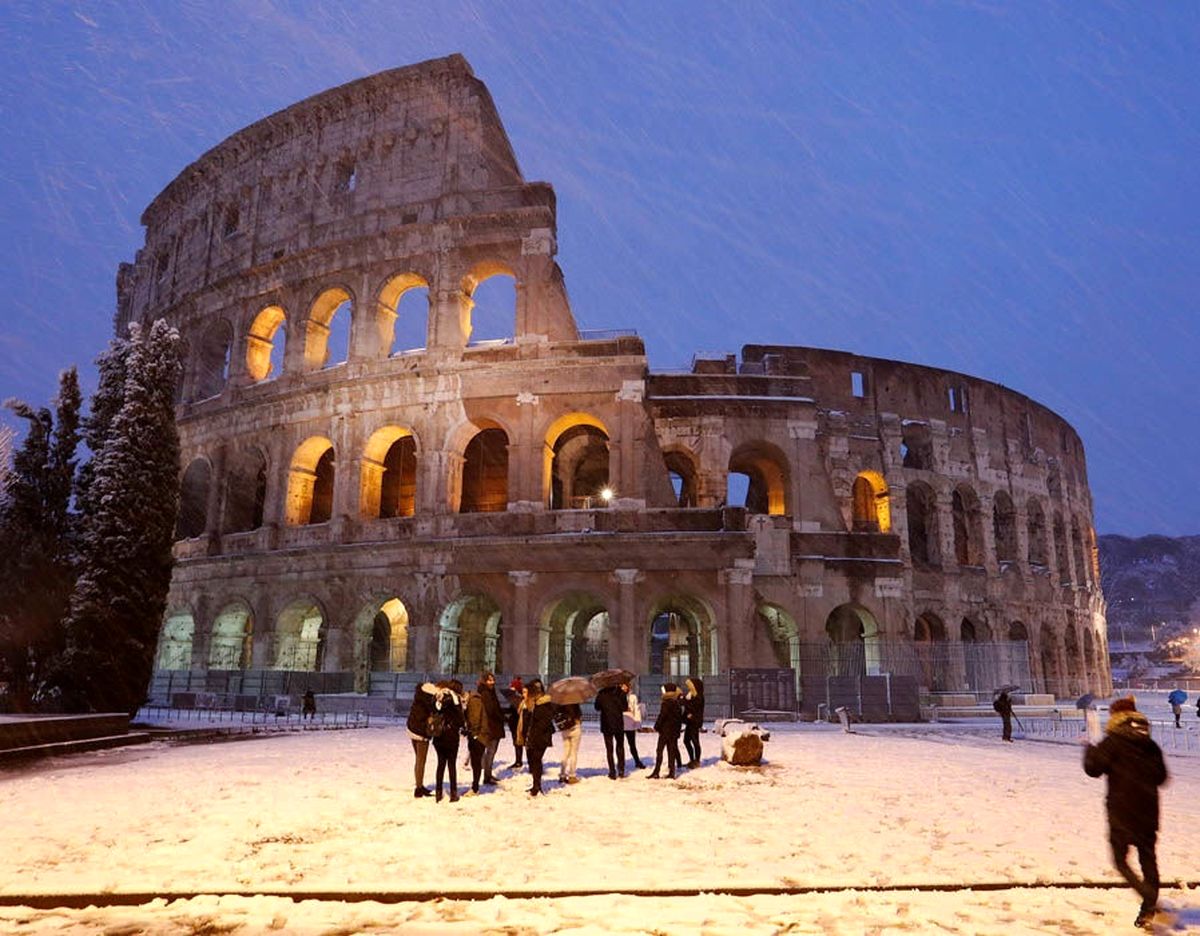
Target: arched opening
[(1039, 552), (310, 482), (300, 637), (921, 512), (929, 642), (266, 343), (490, 292), (245, 491), (968, 526), (1081, 567), (681, 470), (212, 360), (1060, 550), (1091, 662), (381, 633), (403, 319), (1017, 631), (871, 507), (976, 660), (1051, 676), (232, 633), (1073, 660), (193, 500), (682, 638), (916, 446), (327, 335), (767, 480), (784, 635), (579, 469), (469, 636), (485, 473), (577, 635), (175, 641), (1004, 527), (389, 474), (853, 641)]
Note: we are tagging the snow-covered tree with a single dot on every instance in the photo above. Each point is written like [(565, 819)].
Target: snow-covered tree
[(37, 542), (130, 502)]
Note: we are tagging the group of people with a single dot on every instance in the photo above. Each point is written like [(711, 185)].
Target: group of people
[(442, 713)]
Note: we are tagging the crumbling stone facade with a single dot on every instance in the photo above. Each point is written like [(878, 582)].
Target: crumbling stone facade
[(544, 502)]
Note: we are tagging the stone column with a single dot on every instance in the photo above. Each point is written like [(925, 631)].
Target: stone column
[(736, 634), (626, 448), (803, 434), (525, 458), (214, 502), (627, 626), (525, 632)]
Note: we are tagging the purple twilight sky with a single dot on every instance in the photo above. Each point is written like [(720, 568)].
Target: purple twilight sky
[(1006, 189)]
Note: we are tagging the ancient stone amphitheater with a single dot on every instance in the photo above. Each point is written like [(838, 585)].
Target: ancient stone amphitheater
[(380, 481)]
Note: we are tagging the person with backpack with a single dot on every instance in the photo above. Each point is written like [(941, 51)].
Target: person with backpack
[(445, 728), (419, 731), (569, 721)]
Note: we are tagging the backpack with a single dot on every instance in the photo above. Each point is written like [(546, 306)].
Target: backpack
[(435, 724)]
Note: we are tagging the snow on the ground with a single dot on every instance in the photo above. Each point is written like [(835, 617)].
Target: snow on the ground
[(334, 811)]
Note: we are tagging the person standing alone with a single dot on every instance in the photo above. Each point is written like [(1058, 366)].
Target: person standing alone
[(1134, 765), (1004, 707)]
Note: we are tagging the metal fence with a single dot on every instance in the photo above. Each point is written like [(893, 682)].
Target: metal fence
[(215, 716), (1068, 729)]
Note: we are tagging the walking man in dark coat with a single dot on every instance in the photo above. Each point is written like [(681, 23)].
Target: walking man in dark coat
[(1135, 769), (1003, 705), (611, 702)]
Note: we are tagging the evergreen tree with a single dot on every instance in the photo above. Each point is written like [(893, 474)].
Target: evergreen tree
[(37, 540), (131, 500), (106, 403)]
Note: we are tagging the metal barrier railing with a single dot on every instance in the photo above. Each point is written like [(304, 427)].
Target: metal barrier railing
[(1070, 730), (164, 713)]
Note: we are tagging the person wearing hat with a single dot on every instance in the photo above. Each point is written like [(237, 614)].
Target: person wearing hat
[(1134, 765)]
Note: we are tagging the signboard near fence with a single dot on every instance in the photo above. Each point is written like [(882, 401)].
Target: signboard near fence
[(772, 690)]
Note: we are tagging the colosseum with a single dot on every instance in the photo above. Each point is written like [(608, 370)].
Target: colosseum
[(376, 487)]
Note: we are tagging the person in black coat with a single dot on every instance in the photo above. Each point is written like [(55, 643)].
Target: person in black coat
[(1004, 707), (693, 718), (537, 730), (419, 732), (668, 725), (445, 740), (1135, 769), (513, 695), (611, 702)]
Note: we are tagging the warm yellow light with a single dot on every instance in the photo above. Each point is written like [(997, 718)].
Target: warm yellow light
[(606, 494)]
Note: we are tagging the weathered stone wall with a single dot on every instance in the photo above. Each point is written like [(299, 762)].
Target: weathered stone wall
[(342, 204)]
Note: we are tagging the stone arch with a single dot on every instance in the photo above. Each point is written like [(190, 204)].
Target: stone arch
[(968, 526), (483, 482), (1039, 552), (1048, 652), (381, 640), (682, 637), (388, 484), (402, 314), (1073, 659), (470, 635), (300, 633), (1060, 549), (1004, 527), (871, 506), (683, 471), (976, 658), (311, 482), (490, 316), (766, 468), (245, 490), (916, 446), (577, 631), (930, 646), (193, 499), (1091, 662), (920, 503), (1081, 567), (574, 450), (232, 634), (327, 328), (265, 344), (175, 640), (784, 635), (854, 642), (212, 360)]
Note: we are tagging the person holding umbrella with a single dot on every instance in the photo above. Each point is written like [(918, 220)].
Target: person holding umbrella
[(1176, 698), (611, 702), (567, 694)]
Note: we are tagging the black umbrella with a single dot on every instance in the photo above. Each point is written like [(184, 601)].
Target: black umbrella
[(1009, 688), (1085, 702), (611, 677)]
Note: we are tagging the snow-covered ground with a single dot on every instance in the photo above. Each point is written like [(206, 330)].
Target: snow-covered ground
[(333, 811)]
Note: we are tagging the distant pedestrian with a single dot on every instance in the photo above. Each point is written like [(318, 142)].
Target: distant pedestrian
[(420, 731), (668, 725), (1003, 705), (633, 722), (537, 727), (1177, 711), (611, 703), (308, 705), (693, 719), (569, 721), (1135, 769)]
